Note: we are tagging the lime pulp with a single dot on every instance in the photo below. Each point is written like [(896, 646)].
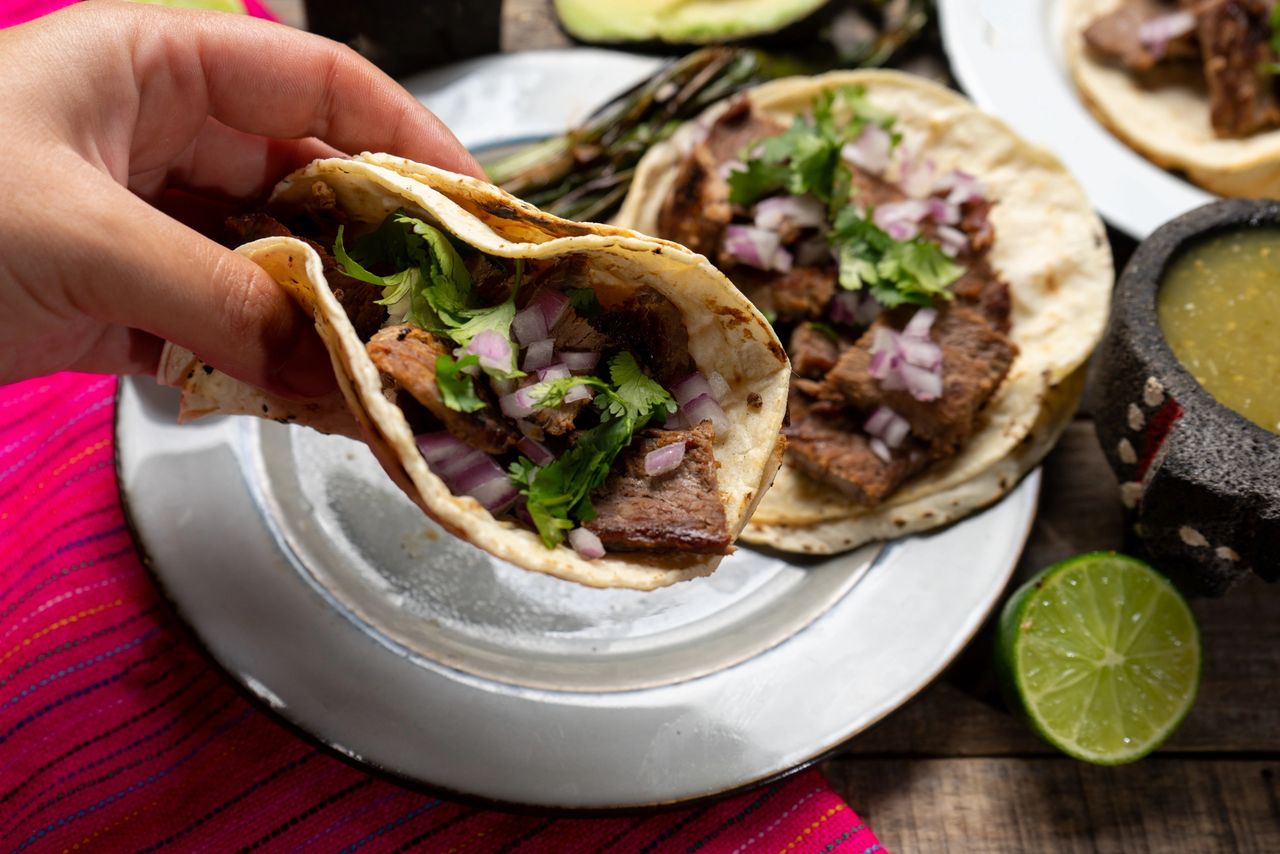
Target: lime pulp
[(1103, 656)]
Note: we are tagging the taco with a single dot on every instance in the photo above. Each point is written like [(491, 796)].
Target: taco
[(575, 399), (1191, 86), (938, 281)]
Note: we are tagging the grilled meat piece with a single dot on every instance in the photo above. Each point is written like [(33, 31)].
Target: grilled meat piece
[(975, 359), (832, 449), (407, 354), (676, 511), (651, 328), (1235, 39), (357, 297), (812, 352), (1115, 36)]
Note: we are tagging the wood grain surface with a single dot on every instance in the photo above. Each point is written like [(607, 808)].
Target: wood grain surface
[(953, 771)]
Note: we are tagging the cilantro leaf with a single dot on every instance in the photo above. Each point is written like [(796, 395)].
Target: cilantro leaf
[(550, 393), (756, 180), (638, 394), (457, 389), (895, 271), (584, 301)]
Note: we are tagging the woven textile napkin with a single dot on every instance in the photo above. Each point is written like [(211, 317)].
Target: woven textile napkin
[(117, 734)]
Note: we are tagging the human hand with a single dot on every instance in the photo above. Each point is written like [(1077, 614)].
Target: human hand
[(106, 107)]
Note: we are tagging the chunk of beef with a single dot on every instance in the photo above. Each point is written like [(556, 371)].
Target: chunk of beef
[(802, 293), (1115, 36), (832, 449), (1235, 39), (554, 420), (574, 332), (975, 359), (358, 299), (698, 209), (491, 279), (677, 511), (651, 328), (981, 289), (812, 352), (407, 354)]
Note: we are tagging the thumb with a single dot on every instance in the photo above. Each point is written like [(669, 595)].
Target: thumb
[(153, 273)]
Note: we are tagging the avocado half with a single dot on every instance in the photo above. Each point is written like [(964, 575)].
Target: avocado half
[(679, 21)]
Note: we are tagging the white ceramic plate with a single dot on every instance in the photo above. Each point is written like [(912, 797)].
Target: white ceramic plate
[(1007, 55), (327, 593)]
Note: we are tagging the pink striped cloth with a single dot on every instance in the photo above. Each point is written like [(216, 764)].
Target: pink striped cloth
[(117, 734)]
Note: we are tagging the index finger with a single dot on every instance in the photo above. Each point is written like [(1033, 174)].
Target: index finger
[(268, 79)]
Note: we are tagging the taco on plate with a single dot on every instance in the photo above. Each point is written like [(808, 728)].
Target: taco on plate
[(1190, 84), (576, 399), (938, 281)]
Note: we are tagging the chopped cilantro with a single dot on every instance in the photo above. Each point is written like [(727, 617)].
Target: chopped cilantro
[(559, 493), (457, 389), (895, 271), (583, 301)]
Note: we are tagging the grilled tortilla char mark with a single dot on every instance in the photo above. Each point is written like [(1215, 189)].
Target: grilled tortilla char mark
[(833, 450), (1114, 36), (407, 354), (975, 359), (676, 511), (356, 297), (1235, 38)]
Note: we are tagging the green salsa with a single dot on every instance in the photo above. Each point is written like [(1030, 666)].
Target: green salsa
[(1219, 308)]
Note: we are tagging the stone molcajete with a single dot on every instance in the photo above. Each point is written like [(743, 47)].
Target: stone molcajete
[(1202, 483)]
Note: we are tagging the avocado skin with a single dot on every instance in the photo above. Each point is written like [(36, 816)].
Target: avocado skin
[(634, 23)]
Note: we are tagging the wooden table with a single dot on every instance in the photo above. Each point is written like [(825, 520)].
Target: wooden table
[(953, 771)]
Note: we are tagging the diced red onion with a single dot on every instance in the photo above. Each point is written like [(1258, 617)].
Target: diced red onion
[(450, 468), (880, 449), (664, 459), (961, 188), (754, 247), (536, 451), (579, 392), (539, 354), (704, 408), (920, 323), (888, 426), (1156, 33), (923, 383), (553, 303), (922, 353), (439, 445), (781, 261), (558, 371), (518, 404), (467, 471), (529, 325), (870, 151), (719, 386), (533, 431), (586, 543), (917, 178), (577, 362), (690, 387), (496, 494), (799, 211), (952, 240), (901, 219), (676, 421), (481, 471), (943, 212), (493, 349), (901, 230), (843, 308)]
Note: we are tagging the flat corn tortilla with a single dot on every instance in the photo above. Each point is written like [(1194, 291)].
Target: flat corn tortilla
[(1051, 249), (1167, 124), (726, 335)]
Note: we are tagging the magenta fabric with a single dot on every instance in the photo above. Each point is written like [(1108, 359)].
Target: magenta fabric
[(117, 734), (20, 11)]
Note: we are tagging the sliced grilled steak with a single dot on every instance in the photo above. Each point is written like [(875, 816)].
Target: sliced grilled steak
[(1114, 36), (834, 450), (1235, 38), (490, 278), (975, 359), (358, 298), (676, 511), (981, 289), (812, 352), (407, 354), (651, 327)]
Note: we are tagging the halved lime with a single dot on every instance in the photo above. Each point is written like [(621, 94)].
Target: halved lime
[(1103, 656)]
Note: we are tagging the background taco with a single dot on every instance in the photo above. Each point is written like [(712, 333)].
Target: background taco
[(561, 378), (1016, 272)]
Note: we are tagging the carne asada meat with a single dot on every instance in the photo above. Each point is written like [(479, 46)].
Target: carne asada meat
[(407, 354), (676, 511), (833, 450), (812, 352), (801, 293), (1235, 38), (981, 289), (1116, 36), (975, 359), (357, 297), (652, 328)]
